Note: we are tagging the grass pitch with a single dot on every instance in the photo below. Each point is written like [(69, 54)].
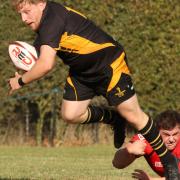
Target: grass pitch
[(63, 163)]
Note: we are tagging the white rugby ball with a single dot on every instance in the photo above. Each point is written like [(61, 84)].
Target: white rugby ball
[(23, 55)]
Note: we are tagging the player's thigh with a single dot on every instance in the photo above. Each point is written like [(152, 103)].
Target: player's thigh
[(121, 93), (72, 110), (132, 112), (77, 96), (76, 90)]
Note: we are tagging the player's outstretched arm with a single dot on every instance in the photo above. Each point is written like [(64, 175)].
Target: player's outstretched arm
[(140, 174), (43, 65), (125, 156)]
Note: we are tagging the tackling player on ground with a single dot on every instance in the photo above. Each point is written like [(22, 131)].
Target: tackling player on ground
[(97, 67), (168, 122)]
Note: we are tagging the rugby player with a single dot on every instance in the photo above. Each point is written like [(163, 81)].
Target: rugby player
[(97, 67)]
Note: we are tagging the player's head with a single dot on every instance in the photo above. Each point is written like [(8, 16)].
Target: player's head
[(168, 122), (31, 11)]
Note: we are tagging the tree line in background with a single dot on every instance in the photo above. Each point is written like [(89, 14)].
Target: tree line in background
[(148, 30)]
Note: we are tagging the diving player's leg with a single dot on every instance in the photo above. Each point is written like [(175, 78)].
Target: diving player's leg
[(132, 112), (74, 111), (76, 99)]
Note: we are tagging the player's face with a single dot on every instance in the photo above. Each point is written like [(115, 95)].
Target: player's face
[(171, 137), (31, 14)]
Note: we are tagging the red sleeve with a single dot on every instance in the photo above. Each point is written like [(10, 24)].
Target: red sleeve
[(137, 137), (148, 149)]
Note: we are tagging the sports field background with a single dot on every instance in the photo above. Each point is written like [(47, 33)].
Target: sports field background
[(64, 163), (149, 31)]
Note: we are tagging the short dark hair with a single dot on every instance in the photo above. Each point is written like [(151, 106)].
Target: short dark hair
[(167, 120)]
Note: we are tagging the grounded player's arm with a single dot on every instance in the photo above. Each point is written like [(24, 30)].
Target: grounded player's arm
[(43, 65), (125, 156), (140, 174)]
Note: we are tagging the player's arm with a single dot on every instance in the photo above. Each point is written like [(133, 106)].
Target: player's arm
[(125, 156), (43, 65), (140, 174)]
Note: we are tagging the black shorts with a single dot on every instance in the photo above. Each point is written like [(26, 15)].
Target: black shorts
[(113, 82)]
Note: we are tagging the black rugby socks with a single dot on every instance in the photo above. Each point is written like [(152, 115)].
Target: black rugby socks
[(98, 114), (152, 135)]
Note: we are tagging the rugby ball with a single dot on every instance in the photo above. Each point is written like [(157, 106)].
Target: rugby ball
[(23, 55)]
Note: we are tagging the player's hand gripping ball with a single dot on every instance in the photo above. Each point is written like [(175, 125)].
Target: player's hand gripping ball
[(23, 55)]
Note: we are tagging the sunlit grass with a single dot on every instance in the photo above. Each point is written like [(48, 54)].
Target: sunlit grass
[(63, 163)]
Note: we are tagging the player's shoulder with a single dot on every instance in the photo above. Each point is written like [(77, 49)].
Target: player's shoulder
[(54, 10)]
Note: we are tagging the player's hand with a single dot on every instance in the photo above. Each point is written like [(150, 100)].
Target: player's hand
[(13, 83), (140, 174), (137, 147)]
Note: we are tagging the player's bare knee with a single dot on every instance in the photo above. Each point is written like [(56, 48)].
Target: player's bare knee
[(67, 117), (76, 117)]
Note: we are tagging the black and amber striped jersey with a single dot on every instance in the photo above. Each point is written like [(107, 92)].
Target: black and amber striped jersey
[(78, 41)]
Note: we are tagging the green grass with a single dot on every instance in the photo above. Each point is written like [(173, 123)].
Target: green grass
[(63, 163)]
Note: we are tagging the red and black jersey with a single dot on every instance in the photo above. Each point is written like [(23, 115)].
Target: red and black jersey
[(78, 41), (152, 158)]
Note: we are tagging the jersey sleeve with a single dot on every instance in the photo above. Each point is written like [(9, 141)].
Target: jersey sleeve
[(137, 137), (148, 149)]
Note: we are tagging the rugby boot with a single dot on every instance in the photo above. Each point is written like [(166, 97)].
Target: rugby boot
[(119, 128)]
